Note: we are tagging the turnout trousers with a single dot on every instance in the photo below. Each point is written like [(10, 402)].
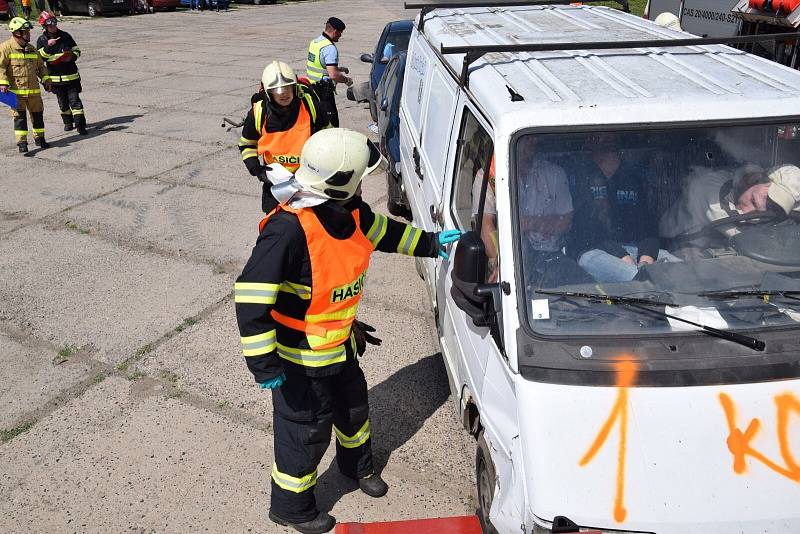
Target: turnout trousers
[(28, 104), (69, 102), (306, 409)]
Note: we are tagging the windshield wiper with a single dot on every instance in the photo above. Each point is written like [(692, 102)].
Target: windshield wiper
[(641, 304), (750, 293)]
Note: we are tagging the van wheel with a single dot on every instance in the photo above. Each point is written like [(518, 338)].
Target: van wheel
[(485, 477), (92, 9)]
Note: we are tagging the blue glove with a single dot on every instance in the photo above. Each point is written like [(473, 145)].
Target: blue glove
[(273, 383), (445, 238)]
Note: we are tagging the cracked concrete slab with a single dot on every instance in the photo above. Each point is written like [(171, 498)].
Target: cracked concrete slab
[(199, 223), (68, 287), (183, 81), (142, 96), (221, 171), (174, 124), (34, 374), (51, 188), (115, 149)]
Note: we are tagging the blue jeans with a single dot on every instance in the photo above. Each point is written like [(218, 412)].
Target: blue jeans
[(605, 267)]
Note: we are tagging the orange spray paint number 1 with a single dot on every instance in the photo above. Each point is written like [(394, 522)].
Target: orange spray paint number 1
[(626, 375), (739, 442)]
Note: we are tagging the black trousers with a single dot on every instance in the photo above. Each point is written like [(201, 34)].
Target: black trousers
[(69, 102), (305, 411), (326, 91)]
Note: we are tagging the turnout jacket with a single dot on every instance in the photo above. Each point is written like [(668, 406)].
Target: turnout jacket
[(278, 281), (60, 66), (21, 68), (267, 119)]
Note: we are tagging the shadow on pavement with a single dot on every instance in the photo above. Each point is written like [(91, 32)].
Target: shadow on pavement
[(399, 406), (94, 129)]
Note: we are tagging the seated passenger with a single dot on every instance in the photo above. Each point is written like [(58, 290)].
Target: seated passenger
[(488, 220), (713, 195), (614, 234), (545, 218)]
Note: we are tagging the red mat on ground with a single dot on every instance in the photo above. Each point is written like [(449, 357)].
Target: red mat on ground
[(445, 525)]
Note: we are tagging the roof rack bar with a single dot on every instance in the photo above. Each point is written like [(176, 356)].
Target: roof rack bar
[(475, 52), (427, 7)]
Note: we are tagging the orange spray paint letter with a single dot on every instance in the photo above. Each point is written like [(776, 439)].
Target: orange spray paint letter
[(739, 442), (626, 373)]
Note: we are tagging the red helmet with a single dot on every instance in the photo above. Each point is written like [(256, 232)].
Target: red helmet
[(44, 16)]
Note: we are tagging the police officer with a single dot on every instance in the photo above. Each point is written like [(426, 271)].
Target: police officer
[(60, 52), (296, 301), (322, 66), (21, 68), (278, 125)]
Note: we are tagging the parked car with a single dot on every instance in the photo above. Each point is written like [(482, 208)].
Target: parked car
[(165, 5), (390, 87), (4, 9), (94, 8), (393, 39), (662, 401)]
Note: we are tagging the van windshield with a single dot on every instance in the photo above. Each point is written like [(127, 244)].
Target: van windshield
[(706, 220)]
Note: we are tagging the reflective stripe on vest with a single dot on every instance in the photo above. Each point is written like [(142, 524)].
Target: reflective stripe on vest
[(285, 147), (338, 269), (315, 70)]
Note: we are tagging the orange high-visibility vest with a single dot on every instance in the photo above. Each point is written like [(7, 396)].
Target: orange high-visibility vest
[(338, 270), (285, 147)]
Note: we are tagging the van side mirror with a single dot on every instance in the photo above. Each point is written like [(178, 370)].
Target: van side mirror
[(469, 275), (366, 58)]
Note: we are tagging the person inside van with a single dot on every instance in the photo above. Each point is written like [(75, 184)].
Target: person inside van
[(614, 234), (545, 218), (488, 220), (715, 195)]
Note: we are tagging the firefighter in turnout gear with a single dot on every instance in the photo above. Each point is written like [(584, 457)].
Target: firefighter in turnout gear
[(322, 66), (278, 125), (60, 52), (296, 302), (21, 68)]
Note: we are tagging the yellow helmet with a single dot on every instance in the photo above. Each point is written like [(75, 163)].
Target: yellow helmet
[(334, 161), (18, 23)]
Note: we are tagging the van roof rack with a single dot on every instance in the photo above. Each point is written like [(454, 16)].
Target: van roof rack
[(474, 52), (427, 7)]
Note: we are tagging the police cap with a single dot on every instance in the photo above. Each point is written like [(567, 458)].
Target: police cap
[(336, 23)]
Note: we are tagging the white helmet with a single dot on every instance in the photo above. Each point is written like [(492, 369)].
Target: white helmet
[(668, 20), (334, 161), (277, 75)]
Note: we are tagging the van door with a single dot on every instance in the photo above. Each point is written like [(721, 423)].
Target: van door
[(470, 345), (429, 100)]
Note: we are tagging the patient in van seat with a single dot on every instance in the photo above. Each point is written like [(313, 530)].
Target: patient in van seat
[(613, 234), (545, 219), (488, 220)]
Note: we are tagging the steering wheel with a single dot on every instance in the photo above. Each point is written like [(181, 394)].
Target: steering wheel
[(763, 217)]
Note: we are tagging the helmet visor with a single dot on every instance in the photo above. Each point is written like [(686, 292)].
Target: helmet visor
[(282, 90), (52, 21)]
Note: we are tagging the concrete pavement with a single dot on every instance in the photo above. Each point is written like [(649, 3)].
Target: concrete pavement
[(127, 406)]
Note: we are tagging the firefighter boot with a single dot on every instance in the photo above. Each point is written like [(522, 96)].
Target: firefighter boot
[(373, 485), (80, 124), (322, 523), (68, 124), (41, 143), (23, 147)]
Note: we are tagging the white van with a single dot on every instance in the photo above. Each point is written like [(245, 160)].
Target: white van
[(620, 323)]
